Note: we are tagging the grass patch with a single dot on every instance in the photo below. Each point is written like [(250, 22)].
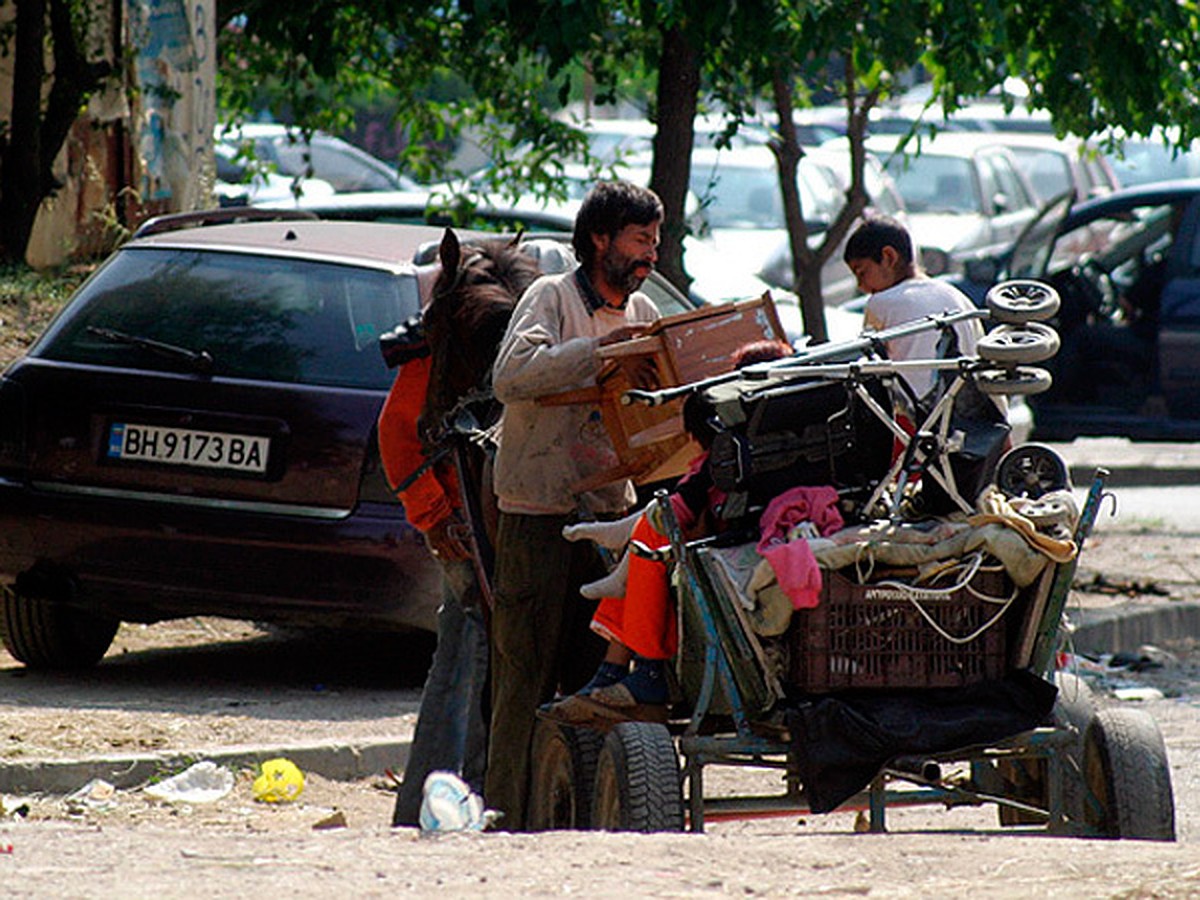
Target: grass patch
[(29, 299)]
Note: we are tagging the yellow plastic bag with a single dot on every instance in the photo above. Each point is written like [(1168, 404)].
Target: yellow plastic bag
[(279, 781)]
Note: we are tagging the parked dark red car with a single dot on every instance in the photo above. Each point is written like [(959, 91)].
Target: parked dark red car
[(195, 434)]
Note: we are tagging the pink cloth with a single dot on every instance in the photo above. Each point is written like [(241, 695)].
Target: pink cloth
[(793, 562)]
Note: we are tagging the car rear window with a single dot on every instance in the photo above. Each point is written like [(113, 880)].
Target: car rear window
[(259, 317)]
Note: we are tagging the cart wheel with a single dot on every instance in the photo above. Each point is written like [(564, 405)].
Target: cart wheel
[(1018, 380), (564, 773), (1017, 302), (1074, 709), (1128, 779), (638, 786), (1031, 470), (1018, 344)]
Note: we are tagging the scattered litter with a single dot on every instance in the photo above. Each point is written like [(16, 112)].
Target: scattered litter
[(1137, 693), (96, 795), (279, 781), (1099, 584), (13, 807), (337, 819), (203, 782), (449, 804), (1157, 655)]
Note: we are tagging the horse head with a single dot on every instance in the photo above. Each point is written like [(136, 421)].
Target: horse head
[(473, 299)]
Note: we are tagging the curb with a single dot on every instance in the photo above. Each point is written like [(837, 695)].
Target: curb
[(1112, 630), (1130, 464), (1134, 476), (337, 762)]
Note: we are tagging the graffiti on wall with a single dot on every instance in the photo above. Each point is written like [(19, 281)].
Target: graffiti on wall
[(175, 71)]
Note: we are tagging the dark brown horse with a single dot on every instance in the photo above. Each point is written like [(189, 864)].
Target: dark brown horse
[(473, 300), (472, 303)]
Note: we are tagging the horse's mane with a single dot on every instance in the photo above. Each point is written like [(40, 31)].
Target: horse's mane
[(492, 275), (473, 300)]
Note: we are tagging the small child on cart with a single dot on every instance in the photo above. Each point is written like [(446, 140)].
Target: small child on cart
[(639, 623)]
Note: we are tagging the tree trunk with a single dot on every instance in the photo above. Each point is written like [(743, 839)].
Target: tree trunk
[(36, 134), (20, 192), (806, 266), (670, 173)]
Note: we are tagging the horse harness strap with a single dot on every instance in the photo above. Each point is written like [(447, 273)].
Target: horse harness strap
[(428, 463), (451, 426)]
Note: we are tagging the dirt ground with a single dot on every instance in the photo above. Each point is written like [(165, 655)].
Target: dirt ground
[(201, 684)]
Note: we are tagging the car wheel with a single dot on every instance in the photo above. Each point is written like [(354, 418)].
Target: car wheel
[(45, 634), (638, 786), (1022, 380), (1031, 470), (1019, 344), (1027, 780), (1128, 778), (1018, 302), (564, 775)]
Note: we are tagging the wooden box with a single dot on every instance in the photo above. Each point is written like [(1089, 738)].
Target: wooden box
[(650, 440)]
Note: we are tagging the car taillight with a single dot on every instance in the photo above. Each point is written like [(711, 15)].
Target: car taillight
[(13, 449), (372, 484)]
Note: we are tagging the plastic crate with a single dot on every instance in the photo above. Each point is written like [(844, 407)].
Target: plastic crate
[(874, 636)]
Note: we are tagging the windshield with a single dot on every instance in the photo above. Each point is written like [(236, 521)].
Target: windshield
[(1144, 162), (258, 317), (1048, 170), (935, 183), (740, 196)]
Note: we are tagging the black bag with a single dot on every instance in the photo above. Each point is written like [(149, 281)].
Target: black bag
[(806, 433), (404, 343)]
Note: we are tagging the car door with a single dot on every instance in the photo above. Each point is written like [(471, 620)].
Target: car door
[(1008, 198)]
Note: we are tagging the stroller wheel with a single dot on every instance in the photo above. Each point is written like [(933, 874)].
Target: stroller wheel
[(1051, 509), (1017, 302), (1031, 470), (1018, 344), (1016, 380)]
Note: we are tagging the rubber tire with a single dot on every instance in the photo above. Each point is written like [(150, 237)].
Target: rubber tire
[(44, 634), (1018, 344), (1074, 708), (1031, 470), (638, 785), (1128, 778), (1019, 301), (1023, 380), (564, 776)]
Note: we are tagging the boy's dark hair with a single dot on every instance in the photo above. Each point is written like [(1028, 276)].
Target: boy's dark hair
[(609, 207), (875, 233)]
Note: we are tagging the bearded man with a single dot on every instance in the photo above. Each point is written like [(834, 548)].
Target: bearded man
[(541, 640)]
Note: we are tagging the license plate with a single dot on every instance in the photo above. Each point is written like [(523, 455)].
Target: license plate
[(188, 447)]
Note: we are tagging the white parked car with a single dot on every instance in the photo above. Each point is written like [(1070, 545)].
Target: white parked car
[(283, 150), (965, 194)]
